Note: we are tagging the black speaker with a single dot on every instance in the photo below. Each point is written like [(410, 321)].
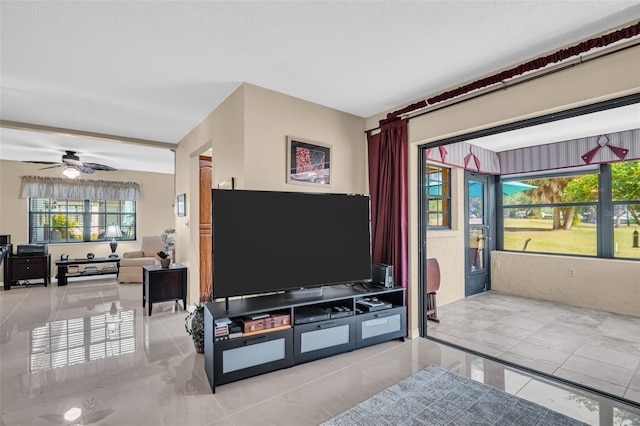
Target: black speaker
[(382, 275), (5, 240)]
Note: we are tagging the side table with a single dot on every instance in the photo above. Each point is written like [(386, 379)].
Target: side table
[(164, 284), (22, 267)]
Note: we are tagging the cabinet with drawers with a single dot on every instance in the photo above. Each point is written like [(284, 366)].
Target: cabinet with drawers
[(319, 327), (27, 268), (162, 284)]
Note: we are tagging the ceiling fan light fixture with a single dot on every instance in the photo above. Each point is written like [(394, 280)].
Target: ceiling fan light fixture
[(70, 172)]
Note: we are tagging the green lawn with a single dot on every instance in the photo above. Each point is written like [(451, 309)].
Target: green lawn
[(581, 239)]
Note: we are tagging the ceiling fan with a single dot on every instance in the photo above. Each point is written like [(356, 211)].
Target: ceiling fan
[(73, 165)]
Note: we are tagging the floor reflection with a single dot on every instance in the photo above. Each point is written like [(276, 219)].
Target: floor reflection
[(80, 414), (569, 401), (596, 349), (78, 340)]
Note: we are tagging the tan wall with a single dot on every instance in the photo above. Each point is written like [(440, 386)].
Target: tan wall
[(154, 211), (604, 284), (448, 246), (247, 134), (605, 78), (272, 116), (222, 131)]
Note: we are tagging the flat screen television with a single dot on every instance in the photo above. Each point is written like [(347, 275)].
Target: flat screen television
[(267, 241)]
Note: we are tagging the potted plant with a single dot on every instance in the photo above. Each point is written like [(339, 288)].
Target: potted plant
[(165, 260), (194, 325), (168, 238)]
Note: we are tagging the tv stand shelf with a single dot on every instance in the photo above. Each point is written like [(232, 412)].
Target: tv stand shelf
[(241, 357)]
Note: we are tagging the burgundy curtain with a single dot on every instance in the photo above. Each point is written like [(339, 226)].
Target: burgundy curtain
[(388, 151)]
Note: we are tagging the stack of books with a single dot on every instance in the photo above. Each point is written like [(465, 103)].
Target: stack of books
[(226, 329)]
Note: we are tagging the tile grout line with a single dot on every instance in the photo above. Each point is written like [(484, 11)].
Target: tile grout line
[(15, 307)]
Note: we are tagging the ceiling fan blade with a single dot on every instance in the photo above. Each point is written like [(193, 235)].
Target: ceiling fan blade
[(70, 159), (96, 166), (51, 167), (83, 169), (71, 162), (41, 162)]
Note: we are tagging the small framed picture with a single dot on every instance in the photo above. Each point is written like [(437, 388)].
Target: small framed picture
[(180, 205), (226, 184), (308, 163)]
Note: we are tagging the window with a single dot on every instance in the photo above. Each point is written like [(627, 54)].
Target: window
[(625, 194), (574, 213), (437, 182), (68, 221)]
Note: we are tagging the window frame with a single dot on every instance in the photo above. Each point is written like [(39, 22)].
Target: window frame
[(604, 205), (444, 198), (87, 216)]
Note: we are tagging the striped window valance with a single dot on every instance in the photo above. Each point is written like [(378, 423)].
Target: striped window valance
[(599, 149), (50, 187), (466, 156)]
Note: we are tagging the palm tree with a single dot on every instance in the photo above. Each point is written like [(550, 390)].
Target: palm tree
[(551, 190)]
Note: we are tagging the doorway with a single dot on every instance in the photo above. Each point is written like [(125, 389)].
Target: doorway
[(479, 231)]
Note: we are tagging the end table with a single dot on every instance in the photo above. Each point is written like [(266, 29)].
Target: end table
[(164, 284)]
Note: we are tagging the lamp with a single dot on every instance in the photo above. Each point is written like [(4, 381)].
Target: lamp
[(113, 232), (70, 172)]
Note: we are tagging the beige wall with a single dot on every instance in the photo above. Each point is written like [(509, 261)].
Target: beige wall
[(272, 116), (154, 212), (604, 284), (248, 135), (448, 246), (222, 131), (608, 77)]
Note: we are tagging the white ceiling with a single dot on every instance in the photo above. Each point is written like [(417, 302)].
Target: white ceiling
[(153, 70), (607, 121)]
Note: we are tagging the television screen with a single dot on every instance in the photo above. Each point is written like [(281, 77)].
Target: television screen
[(265, 241)]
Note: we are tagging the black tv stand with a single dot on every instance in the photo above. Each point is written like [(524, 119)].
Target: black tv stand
[(303, 293), (340, 325)]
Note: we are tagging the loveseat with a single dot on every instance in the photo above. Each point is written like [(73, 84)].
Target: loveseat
[(133, 261)]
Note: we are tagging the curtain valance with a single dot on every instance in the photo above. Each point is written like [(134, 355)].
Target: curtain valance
[(600, 149), (50, 187), (466, 156)]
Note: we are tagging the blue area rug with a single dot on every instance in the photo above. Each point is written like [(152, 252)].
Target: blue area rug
[(436, 396)]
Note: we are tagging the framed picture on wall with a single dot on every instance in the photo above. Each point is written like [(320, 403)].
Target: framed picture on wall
[(308, 162), (180, 205), (226, 184)]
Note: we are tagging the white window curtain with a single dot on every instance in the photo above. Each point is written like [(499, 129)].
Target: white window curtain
[(48, 187)]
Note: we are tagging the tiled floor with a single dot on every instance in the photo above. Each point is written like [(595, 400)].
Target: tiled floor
[(597, 349), (59, 365)]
